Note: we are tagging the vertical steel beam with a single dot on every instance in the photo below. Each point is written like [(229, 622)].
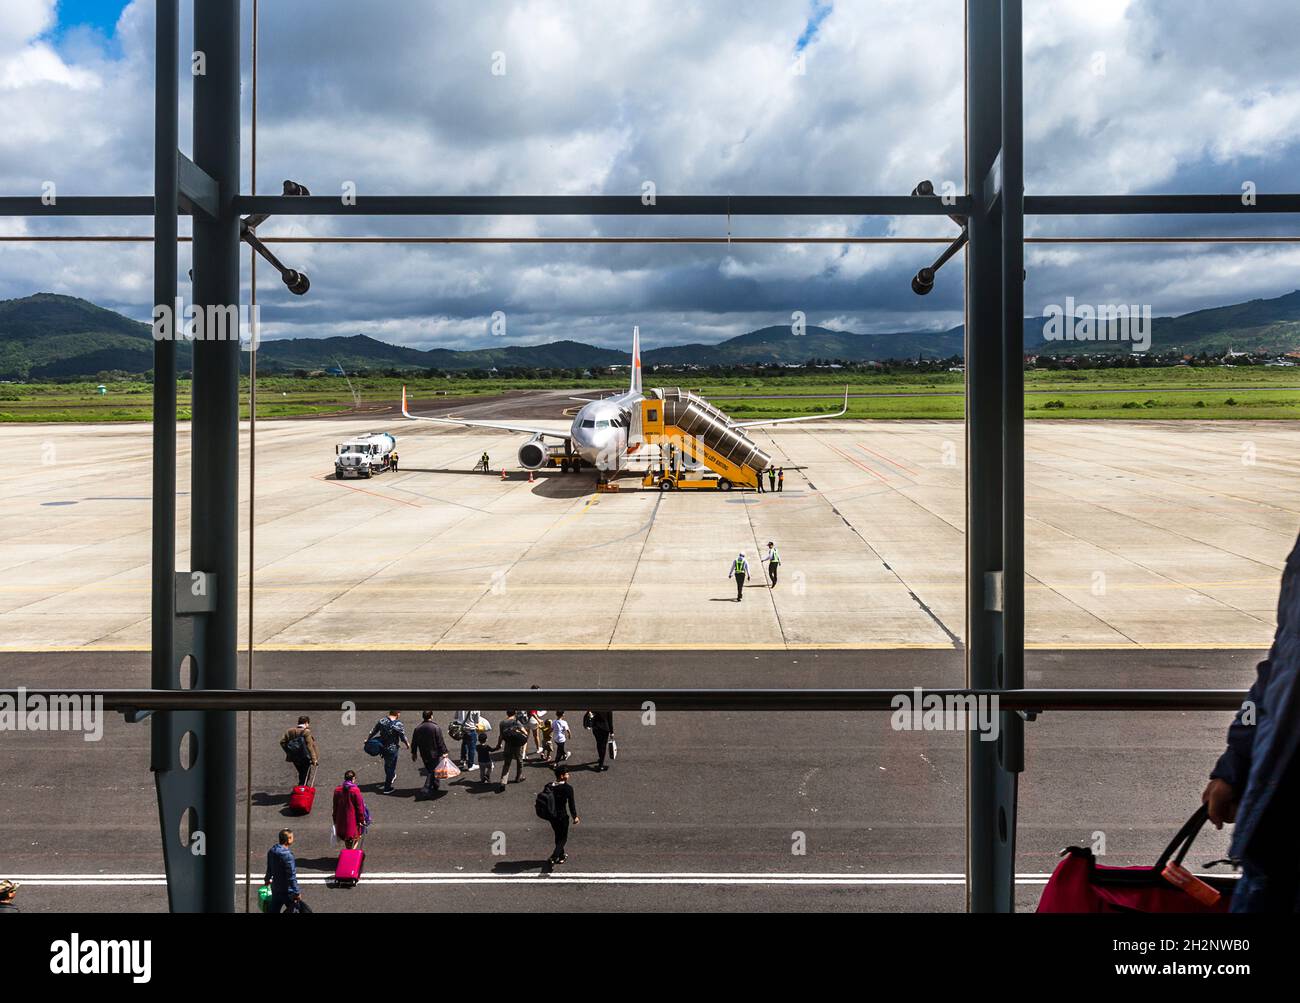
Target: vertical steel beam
[(215, 430), (991, 790)]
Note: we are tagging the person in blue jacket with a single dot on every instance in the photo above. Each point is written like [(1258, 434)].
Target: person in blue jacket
[(282, 875), (1256, 782)]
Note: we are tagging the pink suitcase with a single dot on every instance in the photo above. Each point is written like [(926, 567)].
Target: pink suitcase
[(348, 871)]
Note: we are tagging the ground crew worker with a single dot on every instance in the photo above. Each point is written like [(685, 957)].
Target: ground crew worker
[(392, 459), (773, 561), (760, 482), (771, 478), (739, 571), (484, 463), (780, 478)]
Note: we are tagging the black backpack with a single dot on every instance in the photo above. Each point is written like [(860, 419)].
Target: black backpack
[(546, 804), (514, 733), (295, 750)]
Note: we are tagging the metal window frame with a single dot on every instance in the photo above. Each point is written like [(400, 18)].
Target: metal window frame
[(204, 627)]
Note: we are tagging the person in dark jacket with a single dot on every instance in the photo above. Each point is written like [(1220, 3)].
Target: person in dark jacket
[(565, 808), (601, 723), (1256, 782), (299, 745), (427, 742), (392, 733), (282, 875), (8, 892)]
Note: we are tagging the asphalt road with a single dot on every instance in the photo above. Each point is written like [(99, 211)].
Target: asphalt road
[(702, 811)]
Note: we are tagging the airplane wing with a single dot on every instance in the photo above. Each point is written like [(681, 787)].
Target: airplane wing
[(802, 417), (469, 422)]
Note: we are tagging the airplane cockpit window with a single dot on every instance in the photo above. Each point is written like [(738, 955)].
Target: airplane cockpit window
[(602, 423), (588, 423)]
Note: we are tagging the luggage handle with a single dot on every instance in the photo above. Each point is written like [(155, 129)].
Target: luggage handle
[(1182, 842)]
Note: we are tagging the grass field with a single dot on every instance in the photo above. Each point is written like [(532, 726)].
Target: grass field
[(1251, 392)]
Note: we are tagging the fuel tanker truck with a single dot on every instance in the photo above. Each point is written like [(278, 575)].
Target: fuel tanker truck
[(364, 456)]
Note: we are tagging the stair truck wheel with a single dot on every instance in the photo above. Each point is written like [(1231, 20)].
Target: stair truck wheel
[(666, 484), (724, 484)]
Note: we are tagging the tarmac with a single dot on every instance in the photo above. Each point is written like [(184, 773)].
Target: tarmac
[(1138, 535), (700, 812)]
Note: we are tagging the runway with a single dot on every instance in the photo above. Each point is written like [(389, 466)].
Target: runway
[(701, 811)]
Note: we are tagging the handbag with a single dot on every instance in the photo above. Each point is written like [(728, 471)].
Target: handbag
[(374, 746), (613, 748), (1081, 885)]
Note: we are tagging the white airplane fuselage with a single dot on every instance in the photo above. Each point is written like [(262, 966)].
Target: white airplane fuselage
[(600, 429)]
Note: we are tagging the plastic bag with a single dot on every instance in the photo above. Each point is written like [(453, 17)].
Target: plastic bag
[(613, 749), (263, 897), (446, 769)]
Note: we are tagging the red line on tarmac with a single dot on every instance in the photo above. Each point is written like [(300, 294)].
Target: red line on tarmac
[(376, 494), (887, 459), (857, 463)]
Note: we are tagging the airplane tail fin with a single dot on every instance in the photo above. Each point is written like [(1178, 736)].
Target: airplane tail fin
[(635, 386)]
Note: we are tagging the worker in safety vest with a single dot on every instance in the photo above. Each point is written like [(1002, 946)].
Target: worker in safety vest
[(739, 571), (483, 462), (773, 560)]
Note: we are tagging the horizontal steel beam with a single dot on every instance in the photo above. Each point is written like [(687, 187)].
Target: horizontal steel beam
[(599, 205), (1131, 205), (636, 699), (78, 205), (665, 205)]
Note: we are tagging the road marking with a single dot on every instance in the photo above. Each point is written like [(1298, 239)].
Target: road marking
[(1260, 646), (570, 877)]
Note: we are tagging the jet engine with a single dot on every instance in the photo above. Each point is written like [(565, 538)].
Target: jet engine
[(533, 454)]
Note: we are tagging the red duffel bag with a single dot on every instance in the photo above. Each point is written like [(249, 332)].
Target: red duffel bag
[(1080, 884)]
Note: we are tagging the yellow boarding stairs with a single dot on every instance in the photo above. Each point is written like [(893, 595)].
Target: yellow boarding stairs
[(680, 422)]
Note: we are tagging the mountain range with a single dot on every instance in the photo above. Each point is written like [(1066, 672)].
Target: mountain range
[(50, 336)]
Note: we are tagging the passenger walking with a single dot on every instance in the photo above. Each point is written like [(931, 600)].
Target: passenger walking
[(351, 816), (427, 742), (392, 734), (466, 722), (1256, 781), (560, 733), (513, 738), (533, 719), (299, 746), (780, 479), (557, 800), (282, 875), (484, 759), (601, 723), (773, 560), (9, 892), (739, 571)]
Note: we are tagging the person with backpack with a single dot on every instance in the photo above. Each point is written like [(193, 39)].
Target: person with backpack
[(351, 816), (464, 726), (513, 737), (601, 725), (427, 742), (556, 804), (299, 746), (392, 736), (282, 875)]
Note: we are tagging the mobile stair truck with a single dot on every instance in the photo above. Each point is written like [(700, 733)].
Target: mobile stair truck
[(683, 424), (364, 456)]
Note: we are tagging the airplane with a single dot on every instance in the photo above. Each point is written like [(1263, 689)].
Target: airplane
[(598, 435)]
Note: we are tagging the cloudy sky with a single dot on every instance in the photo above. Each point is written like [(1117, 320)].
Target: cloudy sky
[(399, 96)]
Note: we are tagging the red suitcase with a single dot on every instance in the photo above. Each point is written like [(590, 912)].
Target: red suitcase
[(348, 871), (301, 800)]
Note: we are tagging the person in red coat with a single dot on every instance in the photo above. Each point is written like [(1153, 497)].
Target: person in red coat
[(351, 816)]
